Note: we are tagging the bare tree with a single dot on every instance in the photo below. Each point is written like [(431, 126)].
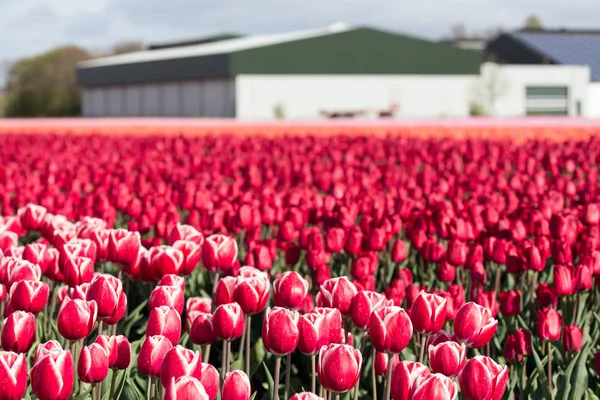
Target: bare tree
[(458, 31), (127, 47), (491, 86)]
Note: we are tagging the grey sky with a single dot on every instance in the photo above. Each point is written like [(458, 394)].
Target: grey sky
[(31, 26)]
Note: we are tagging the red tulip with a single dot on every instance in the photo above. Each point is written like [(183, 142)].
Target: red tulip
[(93, 364), (474, 325), (108, 293), (440, 337), (172, 280), (210, 380), (236, 386), (406, 376), (123, 353), (488, 300), (53, 376), (228, 321), (13, 375), (164, 321), (353, 241), (18, 332), (428, 313), (457, 252), (21, 270), (165, 260), (109, 344), (398, 254), (435, 386), (280, 331), (202, 304), (37, 253), (337, 293), (510, 302), (185, 232), (390, 329), (335, 240), (8, 240), (30, 296), (76, 318), (224, 290), (363, 305), (447, 358), (78, 270), (572, 338), (545, 295), (191, 255), (171, 296), (179, 362), (32, 216), (289, 290), (219, 252), (483, 379), (252, 293), (583, 277), (317, 329), (201, 329), (152, 354), (123, 246), (548, 324), (306, 396), (597, 362), (185, 387), (339, 367), (564, 280)]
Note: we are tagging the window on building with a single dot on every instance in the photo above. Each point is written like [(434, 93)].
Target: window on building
[(547, 100)]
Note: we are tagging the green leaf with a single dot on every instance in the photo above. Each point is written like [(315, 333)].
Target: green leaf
[(579, 377), (270, 382), (84, 395), (121, 383), (543, 380)]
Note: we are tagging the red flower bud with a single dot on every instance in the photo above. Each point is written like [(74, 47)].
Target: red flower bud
[(406, 376), (185, 387), (224, 290), (280, 331), (109, 344), (236, 386), (201, 329), (548, 324), (252, 292), (165, 260), (210, 380), (289, 290), (123, 246), (30, 296), (107, 291), (390, 329), (219, 252), (202, 304), (228, 321), (381, 363), (483, 379), (474, 325), (13, 375), (335, 240), (339, 367), (18, 332), (363, 305), (436, 386), (398, 254), (171, 296), (191, 255), (53, 376), (152, 354), (447, 358), (337, 293), (564, 280), (32, 216), (510, 302), (428, 313), (572, 338), (78, 270), (179, 362), (164, 321), (123, 353), (93, 364), (76, 318)]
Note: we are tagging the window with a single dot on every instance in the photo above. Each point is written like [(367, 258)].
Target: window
[(547, 100)]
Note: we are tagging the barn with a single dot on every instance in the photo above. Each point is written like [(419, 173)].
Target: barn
[(322, 73)]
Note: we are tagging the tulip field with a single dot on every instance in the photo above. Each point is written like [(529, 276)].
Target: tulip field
[(300, 266)]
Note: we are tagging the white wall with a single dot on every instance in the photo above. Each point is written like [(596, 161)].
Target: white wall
[(306, 96), (208, 98), (510, 83), (593, 106)]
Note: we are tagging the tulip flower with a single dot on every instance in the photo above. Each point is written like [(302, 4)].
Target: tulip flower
[(224, 290), (483, 379), (510, 303), (406, 376), (363, 305), (210, 380), (228, 321), (185, 387), (474, 325), (236, 386), (171, 296), (564, 280), (289, 290), (428, 313), (44, 348), (93, 364), (32, 216), (172, 280), (280, 331), (447, 358), (306, 396), (107, 292), (339, 367), (152, 354), (435, 386), (337, 293), (219, 253), (13, 375), (252, 293), (18, 332), (22, 270), (548, 324), (201, 329), (398, 254), (123, 353), (382, 362), (178, 362), (37, 253), (164, 321), (76, 318), (78, 270), (30, 296), (57, 364), (109, 344), (572, 338), (123, 246), (390, 329), (201, 304)]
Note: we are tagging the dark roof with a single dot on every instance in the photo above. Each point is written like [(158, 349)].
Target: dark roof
[(550, 47), (192, 42), (348, 51)]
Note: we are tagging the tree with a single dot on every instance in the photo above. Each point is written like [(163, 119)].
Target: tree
[(533, 23), (45, 85), (491, 86), (127, 47)]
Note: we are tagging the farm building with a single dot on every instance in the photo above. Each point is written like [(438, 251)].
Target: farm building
[(338, 71), (554, 51)]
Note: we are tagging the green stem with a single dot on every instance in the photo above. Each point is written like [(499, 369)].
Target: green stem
[(112, 384), (247, 356), (313, 374), (388, 380), (550, 369), (276, 380), (288, 373), (422, 350)]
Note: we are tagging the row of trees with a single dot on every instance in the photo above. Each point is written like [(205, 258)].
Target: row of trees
[(46, 85)]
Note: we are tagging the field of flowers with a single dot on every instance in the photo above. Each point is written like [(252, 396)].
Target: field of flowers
[(326, 266)]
